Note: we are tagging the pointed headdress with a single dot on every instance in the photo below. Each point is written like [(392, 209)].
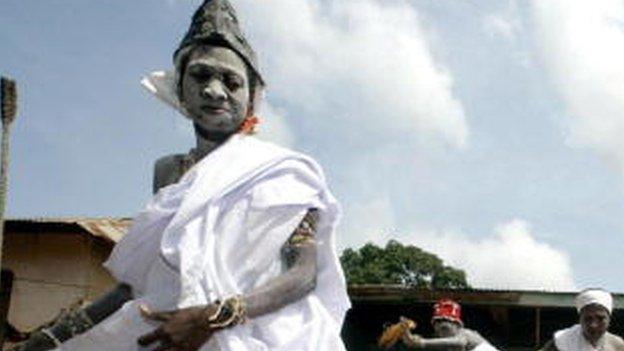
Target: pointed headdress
[(215, 23)]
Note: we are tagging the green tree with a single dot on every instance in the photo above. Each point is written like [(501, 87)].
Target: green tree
[(399, 264)]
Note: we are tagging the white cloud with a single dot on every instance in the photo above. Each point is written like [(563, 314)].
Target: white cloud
[(498, 25), (505, 23), (510, 259), (363, 64), (582, 47), (355, 75)]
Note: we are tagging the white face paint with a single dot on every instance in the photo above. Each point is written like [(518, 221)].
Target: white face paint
[(444, 328), (594, 320), (215, 89)]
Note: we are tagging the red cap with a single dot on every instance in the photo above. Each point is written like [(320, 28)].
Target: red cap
[(447, 309)]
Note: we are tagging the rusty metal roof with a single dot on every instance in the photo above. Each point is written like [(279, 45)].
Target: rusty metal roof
[(108, 228)]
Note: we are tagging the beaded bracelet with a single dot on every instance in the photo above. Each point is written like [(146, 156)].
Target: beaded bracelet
[(51, 336)]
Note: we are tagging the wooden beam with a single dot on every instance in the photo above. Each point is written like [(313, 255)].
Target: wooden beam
[(538, 327)]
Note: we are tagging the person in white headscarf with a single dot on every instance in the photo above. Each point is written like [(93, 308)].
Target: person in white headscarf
[(594, 307)]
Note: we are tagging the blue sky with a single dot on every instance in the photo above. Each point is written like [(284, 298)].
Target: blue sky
[(485, 131)]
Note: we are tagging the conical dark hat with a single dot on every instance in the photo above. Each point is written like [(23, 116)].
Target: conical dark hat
[(215, 22)]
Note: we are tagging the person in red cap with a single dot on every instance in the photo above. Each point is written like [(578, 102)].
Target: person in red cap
[(449, 331)]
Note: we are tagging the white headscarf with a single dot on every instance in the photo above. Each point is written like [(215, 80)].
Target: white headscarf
[(594, 296), (163, 85)]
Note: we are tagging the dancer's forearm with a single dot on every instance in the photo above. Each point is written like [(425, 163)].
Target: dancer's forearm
[(109, 303), (292, 285), (78, 321), (420, 343)]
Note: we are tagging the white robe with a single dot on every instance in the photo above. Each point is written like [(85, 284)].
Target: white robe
[(217, 233), (485, 346), (572, 339)]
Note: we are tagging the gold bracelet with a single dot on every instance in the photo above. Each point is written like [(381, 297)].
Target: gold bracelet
[(230, 312)]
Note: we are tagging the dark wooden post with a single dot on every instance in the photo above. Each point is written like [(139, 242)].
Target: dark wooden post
[(9, 110), (538, 327)]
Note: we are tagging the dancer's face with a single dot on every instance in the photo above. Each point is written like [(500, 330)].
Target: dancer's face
[(215, 89)]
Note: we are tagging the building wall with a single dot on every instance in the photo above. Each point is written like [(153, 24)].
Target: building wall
[(52, 271)]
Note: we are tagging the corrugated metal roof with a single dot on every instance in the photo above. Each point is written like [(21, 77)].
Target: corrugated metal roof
[(397, 294), (68, 219), (108, 228)]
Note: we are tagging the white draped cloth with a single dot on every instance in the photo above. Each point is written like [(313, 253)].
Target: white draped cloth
[(572, 339), (485, 346), (218, 232)]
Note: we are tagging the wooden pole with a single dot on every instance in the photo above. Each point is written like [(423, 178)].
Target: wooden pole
[(4, 179), (538, 327), (8, 107)]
